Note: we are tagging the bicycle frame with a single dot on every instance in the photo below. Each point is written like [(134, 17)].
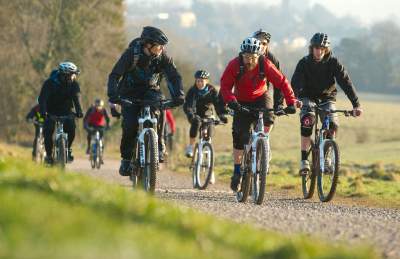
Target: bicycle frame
[(60, 134), (257, 133), (202, 139), (145, 116)]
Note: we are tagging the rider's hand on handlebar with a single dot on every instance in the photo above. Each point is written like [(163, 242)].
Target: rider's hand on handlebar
[(79, 114), (223, 118), (235, 106), (178, 101), (114, 99), (298, 104), (357, 111), (291, 109)]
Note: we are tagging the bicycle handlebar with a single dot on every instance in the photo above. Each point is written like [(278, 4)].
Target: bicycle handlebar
[(346, 113), (285, 111), (62, 117), (163, 104)]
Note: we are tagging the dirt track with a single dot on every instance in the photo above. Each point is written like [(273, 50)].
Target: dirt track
[(280, 212)]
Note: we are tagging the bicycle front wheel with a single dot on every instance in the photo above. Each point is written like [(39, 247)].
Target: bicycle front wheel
[(260, 176), (193, 165), (308, 180), (98, 154), (151, 162), (62, 152), (328, 179), (245, 183), (93, 155), (205, 166)]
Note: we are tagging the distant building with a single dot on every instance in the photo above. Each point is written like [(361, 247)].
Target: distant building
[(187, 19)]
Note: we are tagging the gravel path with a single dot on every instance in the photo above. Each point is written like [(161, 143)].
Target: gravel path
[(280, 212)]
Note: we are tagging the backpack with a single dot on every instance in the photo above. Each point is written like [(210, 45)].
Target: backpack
[(261, 68)]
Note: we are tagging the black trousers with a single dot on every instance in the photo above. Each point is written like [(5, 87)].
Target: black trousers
[(48, 130), (130, 125)]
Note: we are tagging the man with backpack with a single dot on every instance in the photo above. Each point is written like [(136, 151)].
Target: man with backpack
[(137, 75), (248, 75), (59, 94)]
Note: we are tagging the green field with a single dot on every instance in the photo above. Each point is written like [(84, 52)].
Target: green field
[(369, 145), (46, 213)]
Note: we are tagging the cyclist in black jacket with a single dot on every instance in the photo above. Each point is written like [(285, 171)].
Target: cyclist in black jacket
[(198, 103), (138, 73), (265, 38), (59, 94), (34, 116), (314, 82)]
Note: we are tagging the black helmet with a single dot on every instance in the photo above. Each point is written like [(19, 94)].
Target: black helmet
[(320, 40), (202, 74), (154, 34), (262, 35)]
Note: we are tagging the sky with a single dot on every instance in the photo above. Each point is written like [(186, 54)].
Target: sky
[(366, 11)]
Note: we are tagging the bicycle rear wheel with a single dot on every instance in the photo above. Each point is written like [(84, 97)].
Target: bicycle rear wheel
[(245, 183), (260, 176), (151, 162), (205, 166), (62, 152), (193, 165), (308, 181), (328, 179), (98, 154)]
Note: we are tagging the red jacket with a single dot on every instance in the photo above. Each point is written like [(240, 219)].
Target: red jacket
[(96, 118), (170, 120), (249, 87)]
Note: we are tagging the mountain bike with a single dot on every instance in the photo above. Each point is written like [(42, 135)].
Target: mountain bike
[(146, 159), (40, 151), (325, 158), (60, 147), (254, 167), (202, 164), (96, 147)]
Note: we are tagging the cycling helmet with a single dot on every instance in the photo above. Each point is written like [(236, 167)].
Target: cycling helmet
[(99, 103), (68, 68), (154, 34), (203, 74), (262, 35), (320, 40), (251, 45)]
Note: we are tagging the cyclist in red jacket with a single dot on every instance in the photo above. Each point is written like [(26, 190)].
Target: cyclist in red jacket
[(170, 121), (247, 75), (96, 117)]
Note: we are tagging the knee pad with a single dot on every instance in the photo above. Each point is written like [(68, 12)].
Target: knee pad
[(307, 122)]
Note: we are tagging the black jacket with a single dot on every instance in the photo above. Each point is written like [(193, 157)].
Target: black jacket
[(200, 104), (135, 73), (278, 97), (316, 80), (58, 97)]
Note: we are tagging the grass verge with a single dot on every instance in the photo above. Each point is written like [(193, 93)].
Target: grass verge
[(49, 214)]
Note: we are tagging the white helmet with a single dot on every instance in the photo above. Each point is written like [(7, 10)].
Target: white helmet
[(68, 68), (251, 45)]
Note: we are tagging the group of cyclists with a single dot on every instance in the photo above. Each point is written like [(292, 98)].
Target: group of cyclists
[(245, 82)]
